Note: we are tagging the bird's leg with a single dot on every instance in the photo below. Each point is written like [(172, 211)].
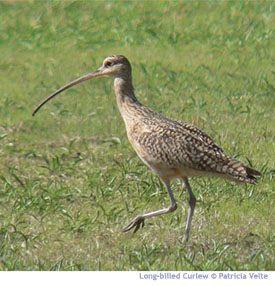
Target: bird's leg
[(139, 220), (192, 204)]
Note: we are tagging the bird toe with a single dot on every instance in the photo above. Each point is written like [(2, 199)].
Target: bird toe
[(137, 222)]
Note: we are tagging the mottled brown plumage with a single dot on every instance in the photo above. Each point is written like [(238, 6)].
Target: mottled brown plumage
[(172, 149)]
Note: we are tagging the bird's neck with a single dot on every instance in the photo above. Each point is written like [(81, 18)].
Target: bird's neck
[(126, 99)]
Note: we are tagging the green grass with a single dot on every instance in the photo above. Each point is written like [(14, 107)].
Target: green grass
[(69, 178)]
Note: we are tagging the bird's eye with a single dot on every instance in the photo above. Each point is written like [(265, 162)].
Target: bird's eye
[(108, 64)]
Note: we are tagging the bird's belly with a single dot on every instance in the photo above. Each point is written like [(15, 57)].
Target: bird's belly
[(167, 172)]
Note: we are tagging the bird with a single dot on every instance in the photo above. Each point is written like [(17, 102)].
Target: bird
[(172, 149)]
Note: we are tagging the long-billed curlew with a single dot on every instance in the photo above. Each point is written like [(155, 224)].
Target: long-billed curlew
[(170, 148)]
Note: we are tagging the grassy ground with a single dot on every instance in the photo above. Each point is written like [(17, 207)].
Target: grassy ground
[(69, 178)]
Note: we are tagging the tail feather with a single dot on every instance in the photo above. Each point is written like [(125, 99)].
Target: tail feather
[(236, 171), (252, 174)]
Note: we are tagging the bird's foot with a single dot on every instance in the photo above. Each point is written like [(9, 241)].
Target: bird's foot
[(137, 222), (186, 237), (185, 240)]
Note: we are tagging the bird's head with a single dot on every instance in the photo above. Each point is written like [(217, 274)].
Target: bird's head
[(116, 66)]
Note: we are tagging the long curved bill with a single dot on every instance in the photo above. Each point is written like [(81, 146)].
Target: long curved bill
[(74, 82)]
